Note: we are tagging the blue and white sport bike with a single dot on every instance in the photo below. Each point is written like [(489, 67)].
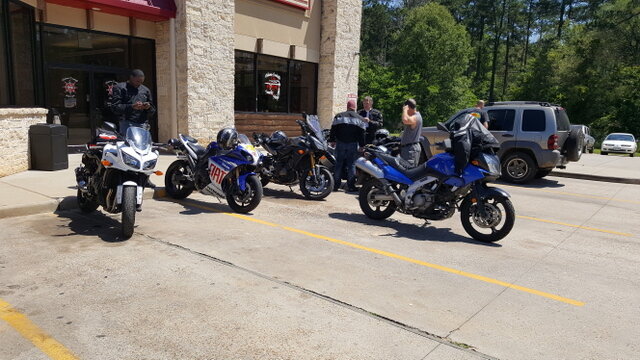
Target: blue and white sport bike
[(434, 190), (215, 171)]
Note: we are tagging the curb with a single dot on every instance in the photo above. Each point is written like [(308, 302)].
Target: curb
[(52, 205), (596, 178)]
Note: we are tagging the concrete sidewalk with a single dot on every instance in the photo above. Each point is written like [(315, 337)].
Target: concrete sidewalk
[(610, 168), (34, 191)]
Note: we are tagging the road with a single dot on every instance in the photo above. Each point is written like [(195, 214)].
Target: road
[(317, 280)]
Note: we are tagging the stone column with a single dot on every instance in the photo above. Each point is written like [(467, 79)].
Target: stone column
[(339, 59), (14, 137), (204, 67)]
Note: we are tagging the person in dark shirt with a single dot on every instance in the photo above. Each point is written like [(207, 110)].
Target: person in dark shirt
[(131, 102), (372, 118), (484, 117), (348, 135)]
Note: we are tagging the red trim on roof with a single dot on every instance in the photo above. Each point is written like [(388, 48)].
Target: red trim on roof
[(152, 10), (301, 4)]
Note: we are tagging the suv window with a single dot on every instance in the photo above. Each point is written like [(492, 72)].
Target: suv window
[(533, 120), (562, 120), (501, 120)]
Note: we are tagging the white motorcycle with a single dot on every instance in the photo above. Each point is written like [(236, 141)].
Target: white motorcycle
[(115, 171)]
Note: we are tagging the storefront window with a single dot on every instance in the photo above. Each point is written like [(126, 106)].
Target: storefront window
[(17, 52), (245, 82), (279, 85), (65, 45)]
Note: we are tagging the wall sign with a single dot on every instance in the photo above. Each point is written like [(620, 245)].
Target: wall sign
[(301, 4), (69, 86), (272, 85)]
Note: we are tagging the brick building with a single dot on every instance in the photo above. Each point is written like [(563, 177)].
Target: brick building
[(254, 64)]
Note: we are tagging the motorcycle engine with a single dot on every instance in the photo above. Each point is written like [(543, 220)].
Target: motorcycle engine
[(422, 200), (202, 178)]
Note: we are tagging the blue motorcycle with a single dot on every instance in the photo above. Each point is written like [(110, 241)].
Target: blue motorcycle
[(224, 173), (434, 190)]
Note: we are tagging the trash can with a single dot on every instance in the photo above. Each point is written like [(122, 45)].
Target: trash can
[(48, 147)]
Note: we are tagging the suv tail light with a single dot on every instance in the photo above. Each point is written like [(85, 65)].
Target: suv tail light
[(552, 142)]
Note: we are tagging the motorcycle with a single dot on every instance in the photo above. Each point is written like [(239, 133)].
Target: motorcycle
[(215, 171), (434, 190), (298, 160), (115, 171)]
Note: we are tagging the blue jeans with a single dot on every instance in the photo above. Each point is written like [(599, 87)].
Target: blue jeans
[(346, 154)]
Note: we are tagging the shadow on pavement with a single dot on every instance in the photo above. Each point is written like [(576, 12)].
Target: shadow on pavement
[(536, 183), (195, 207), (97, 224), (412, 231), (282, 193)]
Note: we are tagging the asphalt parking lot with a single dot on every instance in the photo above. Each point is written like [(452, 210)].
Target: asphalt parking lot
[(298, 279)]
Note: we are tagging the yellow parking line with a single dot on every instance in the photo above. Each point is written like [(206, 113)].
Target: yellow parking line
[(572, 194), (400, 257), (31, 332), (575, 226)]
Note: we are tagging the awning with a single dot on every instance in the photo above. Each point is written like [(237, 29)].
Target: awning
[(152, 10)]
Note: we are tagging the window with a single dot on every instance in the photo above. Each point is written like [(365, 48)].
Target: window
[(533, 120), (266, 83), (17, 85), (245, 82), (562, 120), (501, 120)]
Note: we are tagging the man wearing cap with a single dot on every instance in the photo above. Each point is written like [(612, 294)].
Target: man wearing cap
[(410, 140), (347, 134), (131, 102)]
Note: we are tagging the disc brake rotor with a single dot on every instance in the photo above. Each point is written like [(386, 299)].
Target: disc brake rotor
[(492, 217)]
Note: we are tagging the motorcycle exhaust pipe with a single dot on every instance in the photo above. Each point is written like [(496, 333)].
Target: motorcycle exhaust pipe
[(368, 167)]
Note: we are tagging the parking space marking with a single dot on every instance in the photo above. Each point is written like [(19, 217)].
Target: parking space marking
[(35, 335), (396, 256), (572, 194), (574, 226)]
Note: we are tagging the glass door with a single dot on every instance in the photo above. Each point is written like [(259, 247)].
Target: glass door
[(69, 94), (102, 85)]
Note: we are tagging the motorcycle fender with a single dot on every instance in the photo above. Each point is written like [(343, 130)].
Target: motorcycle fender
[(242, 180), (492, 191), (139, 192)]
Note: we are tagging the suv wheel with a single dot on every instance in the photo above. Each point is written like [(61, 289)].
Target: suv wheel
[(518, 168), (573, 145)]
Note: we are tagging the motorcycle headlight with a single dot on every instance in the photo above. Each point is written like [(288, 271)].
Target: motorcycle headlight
[(130, 160), (248, 157), (150, 164)]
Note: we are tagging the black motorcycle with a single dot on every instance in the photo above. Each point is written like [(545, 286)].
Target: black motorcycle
[(298, 160)]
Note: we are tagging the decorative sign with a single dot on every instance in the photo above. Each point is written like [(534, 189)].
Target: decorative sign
[(352, 96), (272, 85), (70, 87), (301, 4), (109, 84)]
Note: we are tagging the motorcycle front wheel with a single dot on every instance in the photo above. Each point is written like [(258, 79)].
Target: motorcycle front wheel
[(176, 180), (128, 210), (316, 187), (496, 222), (247, 200), (375, 209)]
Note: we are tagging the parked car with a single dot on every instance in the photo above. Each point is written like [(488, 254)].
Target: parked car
[(589, 141), (621, 143), (535, 137)]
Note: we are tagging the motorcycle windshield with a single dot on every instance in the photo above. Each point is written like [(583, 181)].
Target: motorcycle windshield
[(139, 139), (314, 125), (244, 139)]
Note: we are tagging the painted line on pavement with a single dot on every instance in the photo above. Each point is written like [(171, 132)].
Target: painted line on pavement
[(396, 256), (572, 194), (574, 226), (31, 332)]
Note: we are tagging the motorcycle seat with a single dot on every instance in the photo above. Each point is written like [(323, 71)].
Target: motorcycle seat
[(404, 167), (198, 149)]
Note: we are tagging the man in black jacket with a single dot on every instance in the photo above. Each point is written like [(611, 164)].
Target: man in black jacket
[(372, 118), (348, 135), (131, 102)]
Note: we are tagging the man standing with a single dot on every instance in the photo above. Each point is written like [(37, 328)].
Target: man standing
[(372, 118), (347, 134), (131, 102), (410, 140), (484, 117)]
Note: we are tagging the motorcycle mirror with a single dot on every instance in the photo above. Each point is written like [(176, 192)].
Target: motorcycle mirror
[(110, 126)]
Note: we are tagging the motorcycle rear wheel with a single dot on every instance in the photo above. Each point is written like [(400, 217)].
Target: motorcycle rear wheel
[(245, 201), (85, 204), (473, 222), (317, 189), (174, 180), (375, 209), (128, 210)]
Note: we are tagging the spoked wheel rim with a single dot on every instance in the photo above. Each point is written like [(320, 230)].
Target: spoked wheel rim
[(316, 184), (244, 198), (179, 179), (517, 168), (377, 205)]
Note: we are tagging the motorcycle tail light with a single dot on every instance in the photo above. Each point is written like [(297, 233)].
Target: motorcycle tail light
[(552, 142)]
